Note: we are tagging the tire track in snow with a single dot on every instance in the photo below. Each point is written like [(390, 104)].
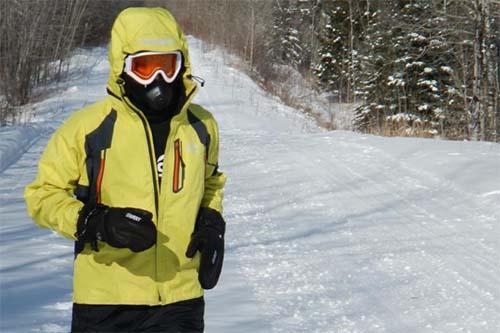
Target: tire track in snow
[(272, 253), (480, 263), (394, 187), (329, 174), (327, 169)]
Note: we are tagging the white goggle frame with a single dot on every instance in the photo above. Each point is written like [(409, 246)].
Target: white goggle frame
[(128, 67)]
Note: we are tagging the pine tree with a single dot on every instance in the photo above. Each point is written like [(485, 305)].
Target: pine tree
[(341, 29), (307, 14), (284, 44), (374, 52), (408, 84), (333, 54)]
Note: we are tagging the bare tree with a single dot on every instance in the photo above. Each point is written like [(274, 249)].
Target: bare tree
[(36, 37)]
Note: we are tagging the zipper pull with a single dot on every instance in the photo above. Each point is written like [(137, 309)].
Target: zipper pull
[(198, 79)]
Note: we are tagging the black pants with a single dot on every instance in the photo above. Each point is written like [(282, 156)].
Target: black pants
[(185, 316)]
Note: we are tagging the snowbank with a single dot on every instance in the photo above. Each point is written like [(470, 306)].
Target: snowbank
[(77, 90), (14, 141)]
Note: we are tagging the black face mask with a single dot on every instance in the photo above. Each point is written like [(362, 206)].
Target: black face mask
[(158, 99)]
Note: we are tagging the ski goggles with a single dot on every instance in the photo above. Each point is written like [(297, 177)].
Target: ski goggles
[(145, 66)]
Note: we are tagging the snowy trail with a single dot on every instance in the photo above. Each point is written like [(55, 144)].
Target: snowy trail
[(353, 243), (327, 231), (339, 232)]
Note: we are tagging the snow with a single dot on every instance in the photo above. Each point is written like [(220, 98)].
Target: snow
[(423, 107), (414, 64), (80, 89), (393, 81), (403, 117), (415, 37), (432, 84), (296, 90), (327, 231), (15, 141), (447, 69)]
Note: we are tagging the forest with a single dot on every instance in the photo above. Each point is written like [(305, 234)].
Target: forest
[(427, 68)]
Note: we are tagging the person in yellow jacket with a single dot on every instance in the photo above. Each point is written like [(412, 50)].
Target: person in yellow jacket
[(134, 180)]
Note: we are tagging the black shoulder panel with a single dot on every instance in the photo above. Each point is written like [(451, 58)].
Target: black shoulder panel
[(200, 129), (100, 138), (95, 142)]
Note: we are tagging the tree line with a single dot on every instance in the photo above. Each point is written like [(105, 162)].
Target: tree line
[(415, 67)]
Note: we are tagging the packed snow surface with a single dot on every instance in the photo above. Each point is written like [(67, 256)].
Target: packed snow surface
[(327, 231)]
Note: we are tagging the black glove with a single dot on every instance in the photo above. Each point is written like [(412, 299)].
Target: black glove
[(208, 238), (131, 228)]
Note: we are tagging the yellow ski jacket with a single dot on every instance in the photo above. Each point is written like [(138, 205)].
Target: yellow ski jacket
[(104, 153)]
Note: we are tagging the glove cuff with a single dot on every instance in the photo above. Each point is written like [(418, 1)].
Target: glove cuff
[(87, 223), (210, 218)]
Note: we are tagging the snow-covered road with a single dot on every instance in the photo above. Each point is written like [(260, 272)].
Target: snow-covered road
[(327, 231)]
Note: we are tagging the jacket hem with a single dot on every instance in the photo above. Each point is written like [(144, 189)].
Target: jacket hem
[(128, 301)]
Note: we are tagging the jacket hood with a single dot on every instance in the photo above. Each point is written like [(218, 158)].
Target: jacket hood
[(139, 29)]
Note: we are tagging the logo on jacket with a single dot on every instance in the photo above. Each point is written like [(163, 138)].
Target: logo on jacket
[(159, 165), (192, 147)]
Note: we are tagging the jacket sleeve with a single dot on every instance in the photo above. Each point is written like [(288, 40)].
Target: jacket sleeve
[(50, 198), (214, 179)]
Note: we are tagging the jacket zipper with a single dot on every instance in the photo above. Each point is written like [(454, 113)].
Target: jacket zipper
[(152, 161), (153, 166), (155, 180), (151, 155)]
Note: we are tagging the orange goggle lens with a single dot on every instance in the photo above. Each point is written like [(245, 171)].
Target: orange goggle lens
[(145, 66)]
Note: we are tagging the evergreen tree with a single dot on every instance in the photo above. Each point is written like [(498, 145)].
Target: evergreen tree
[(407, 84), (341, 29), (308, 13), (333, 62), (374, 52), (284, 44)]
